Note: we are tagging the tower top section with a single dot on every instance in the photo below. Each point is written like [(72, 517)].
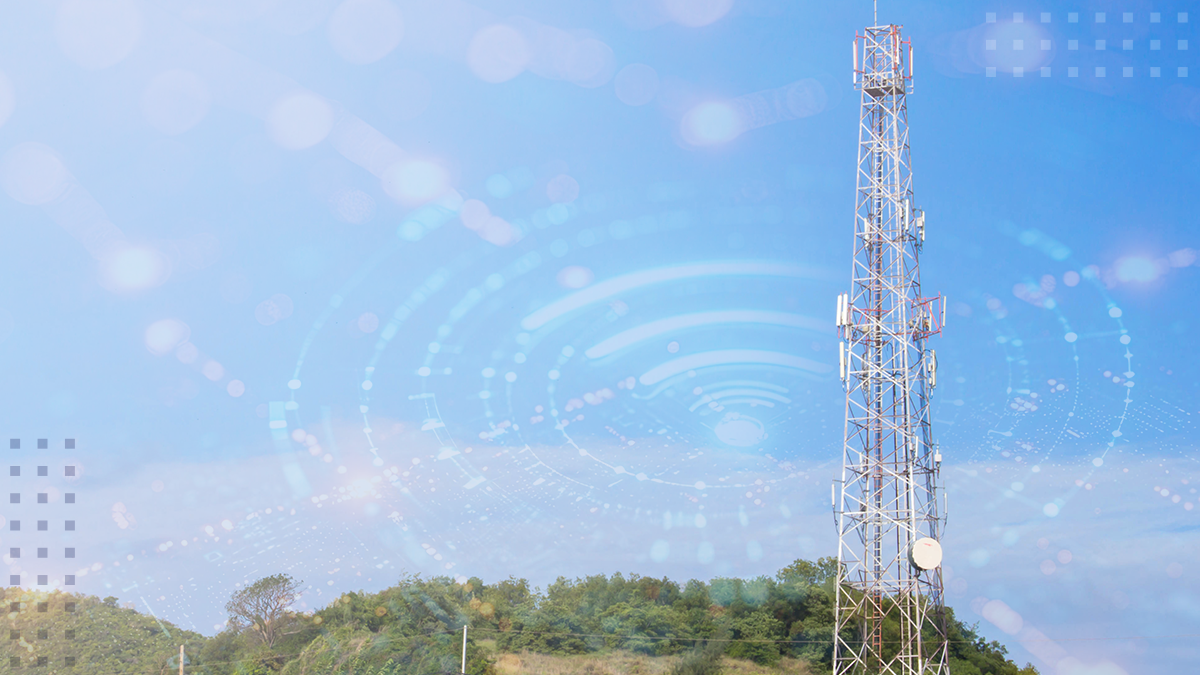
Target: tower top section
[(883, 62)]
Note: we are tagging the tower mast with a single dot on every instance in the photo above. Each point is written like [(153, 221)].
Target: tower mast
[(889, 524)]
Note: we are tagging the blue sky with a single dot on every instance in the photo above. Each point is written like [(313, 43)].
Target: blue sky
[(308, 282)]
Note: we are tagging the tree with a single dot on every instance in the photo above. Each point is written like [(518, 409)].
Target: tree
[(805, 572), (263, 605), (756, 633)]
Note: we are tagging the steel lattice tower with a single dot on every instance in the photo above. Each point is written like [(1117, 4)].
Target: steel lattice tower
[(889, 612)]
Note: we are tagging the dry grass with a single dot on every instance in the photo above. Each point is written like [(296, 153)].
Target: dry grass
[(627, 663), (787, 666), (613, 663)]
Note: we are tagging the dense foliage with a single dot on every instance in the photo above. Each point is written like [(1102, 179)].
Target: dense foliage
[(415, 627), (48, 628)]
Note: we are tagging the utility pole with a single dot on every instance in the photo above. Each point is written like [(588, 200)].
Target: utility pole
[(464, 658), (180, 659), (889, 524)]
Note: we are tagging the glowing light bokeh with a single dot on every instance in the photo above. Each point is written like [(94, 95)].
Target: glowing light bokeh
[(299, 120), (1003, 616), (175, 101), (1184, 257), (164, 335), (1137, 268), (556, 54), (32, 173), (574, 276), (364, 31), (718, 122), (697, 13), (97, 34), (8, 99), (562, 189), (187, 353), (498, 231), (498, 53), (134, 268), (274, 309), (368, 322), (711, 123), (416, 181), (474, 214), (589, 63), (213, 370)]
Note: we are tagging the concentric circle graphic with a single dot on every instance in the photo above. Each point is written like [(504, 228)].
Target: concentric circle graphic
[(592, 394)]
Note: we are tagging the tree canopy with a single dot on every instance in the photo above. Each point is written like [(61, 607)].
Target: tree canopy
[(261, 606)]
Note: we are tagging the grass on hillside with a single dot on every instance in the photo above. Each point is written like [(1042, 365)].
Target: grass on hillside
[(627, 663)]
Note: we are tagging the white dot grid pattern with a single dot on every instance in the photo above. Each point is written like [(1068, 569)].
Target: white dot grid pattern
[(39, 509), (1100, 44), (1099, 71), (42, 485)]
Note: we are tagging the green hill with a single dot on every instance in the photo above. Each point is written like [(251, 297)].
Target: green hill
[(68, 633), (415, 626), (780, 624)]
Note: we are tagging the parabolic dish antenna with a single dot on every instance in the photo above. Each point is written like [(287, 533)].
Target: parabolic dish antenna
[(925, 553)]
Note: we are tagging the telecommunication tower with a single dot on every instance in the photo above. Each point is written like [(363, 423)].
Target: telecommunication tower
[(889, 612)]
